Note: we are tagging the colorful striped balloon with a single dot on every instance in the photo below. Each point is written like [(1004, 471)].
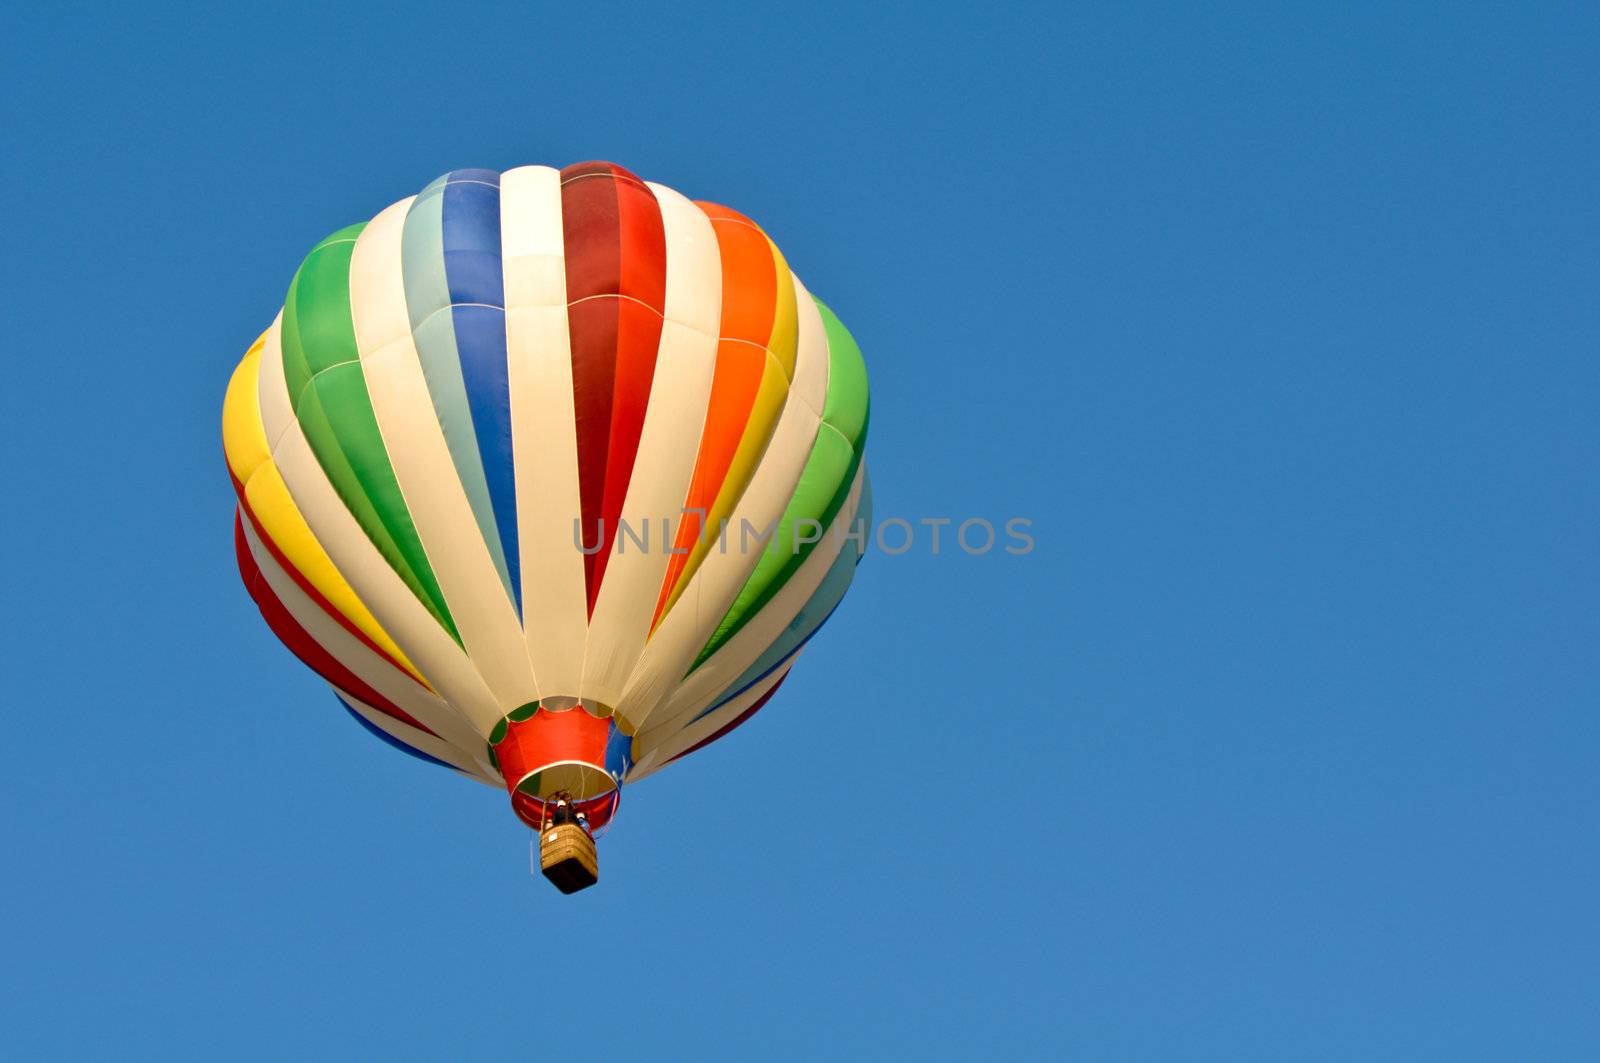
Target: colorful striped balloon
[(501, 460)]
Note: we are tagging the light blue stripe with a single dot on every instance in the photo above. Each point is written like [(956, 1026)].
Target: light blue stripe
[(428, 303)]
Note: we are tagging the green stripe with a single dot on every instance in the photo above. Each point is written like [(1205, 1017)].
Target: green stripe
[(846, 405), (322, 366), (824, 483)]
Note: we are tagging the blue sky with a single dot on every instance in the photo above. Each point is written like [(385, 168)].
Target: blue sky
[(1282, 328)]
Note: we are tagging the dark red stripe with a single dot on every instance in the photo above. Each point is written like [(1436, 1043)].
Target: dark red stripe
[(299, 641), (616, 258)]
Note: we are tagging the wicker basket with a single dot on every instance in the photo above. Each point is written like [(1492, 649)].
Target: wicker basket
[(567, 857)]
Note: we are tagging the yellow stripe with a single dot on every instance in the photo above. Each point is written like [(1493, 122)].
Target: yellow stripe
[(785, 317), (244, 440), (757, 431), (782, 350)]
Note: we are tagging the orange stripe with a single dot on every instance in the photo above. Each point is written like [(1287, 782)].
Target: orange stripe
[(749, 305), (749, 276)]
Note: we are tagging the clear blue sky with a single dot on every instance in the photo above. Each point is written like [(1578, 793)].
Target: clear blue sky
[(1282, 327)]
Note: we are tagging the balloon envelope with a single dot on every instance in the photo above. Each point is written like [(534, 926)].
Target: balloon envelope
[(505, 459)]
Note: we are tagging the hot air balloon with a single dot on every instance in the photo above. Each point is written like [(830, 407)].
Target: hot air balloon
[(551, 475)]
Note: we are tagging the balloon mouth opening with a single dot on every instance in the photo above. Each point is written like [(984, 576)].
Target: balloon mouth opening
[(576, 780), (544, 753)]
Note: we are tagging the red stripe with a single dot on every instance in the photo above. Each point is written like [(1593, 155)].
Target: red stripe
[(299, 640), (735, 722), (616, 258)]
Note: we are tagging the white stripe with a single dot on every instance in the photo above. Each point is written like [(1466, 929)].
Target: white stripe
[(706, 683), (420, 457), (811, 351), (272, 390), (554, 598), (668, 444), (657, 752), (418, 740)]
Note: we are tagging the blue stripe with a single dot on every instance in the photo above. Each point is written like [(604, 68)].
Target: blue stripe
[(391, 739), (473, 273), (433, 329), (619, 753)]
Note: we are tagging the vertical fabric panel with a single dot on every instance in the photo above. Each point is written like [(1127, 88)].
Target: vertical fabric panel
[(540, 377), (616, 284)]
